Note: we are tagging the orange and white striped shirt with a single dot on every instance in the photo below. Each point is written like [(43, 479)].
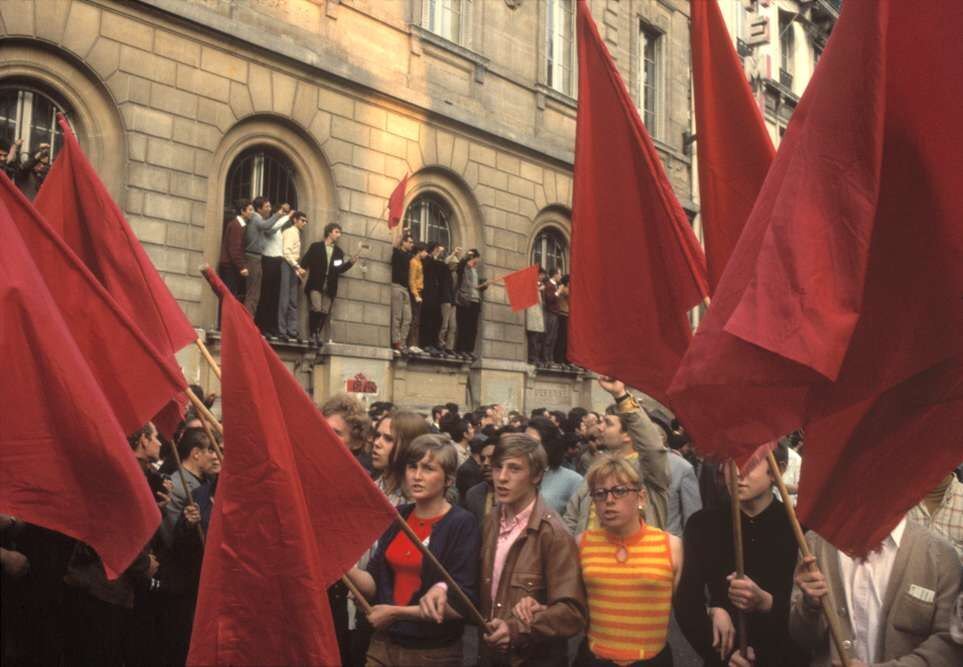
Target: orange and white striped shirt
[(629, 594)]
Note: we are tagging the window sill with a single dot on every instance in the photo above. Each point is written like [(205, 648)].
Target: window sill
[(669, 150), (428, 360), (781, 90), (480, 62), (557, 96), (558, 370)]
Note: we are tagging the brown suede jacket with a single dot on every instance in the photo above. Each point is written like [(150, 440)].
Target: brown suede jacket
[(542, 563)]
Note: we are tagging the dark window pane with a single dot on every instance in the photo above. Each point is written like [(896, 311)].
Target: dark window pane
[(261, 171), (429, 220), (550, 250), (28, 114)]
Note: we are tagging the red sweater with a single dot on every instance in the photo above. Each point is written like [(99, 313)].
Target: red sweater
[(232, 245)]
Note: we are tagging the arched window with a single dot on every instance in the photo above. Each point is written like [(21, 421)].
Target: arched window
[(261, 171), (429, 220), (31, 116), (549, 250)]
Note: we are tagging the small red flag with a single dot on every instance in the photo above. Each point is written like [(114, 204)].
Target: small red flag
[(522, 287), (75, 203), (294, 511), (396, 203), (734, 147), (170, 416), (136, 380), (840, 310), (637, 267), (64, 459)]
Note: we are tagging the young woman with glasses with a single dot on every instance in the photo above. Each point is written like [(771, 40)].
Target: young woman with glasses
[(630, 571)]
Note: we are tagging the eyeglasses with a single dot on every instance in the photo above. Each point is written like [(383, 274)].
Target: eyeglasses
[(599, 495)]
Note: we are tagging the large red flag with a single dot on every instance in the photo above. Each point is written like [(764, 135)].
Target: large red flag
[(841, 307), (75, 203), (734, 148), (136, 380), (294, 511), (64, 460), (396, 203), (637, 267), (522, 287)]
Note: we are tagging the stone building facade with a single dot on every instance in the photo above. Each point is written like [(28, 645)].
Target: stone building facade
[(780, 42), (182, 104)]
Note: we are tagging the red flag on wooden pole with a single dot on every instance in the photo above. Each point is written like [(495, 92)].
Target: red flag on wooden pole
[(136, 379), (294, 511), (734, 149), (64, 459), (840, 310), (75, 202), (637, 267), (396, 203), (522, 287)]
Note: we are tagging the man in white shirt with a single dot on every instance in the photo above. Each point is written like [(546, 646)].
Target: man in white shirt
[(791, 477), (266, 313), (894, 606), (291, 276)]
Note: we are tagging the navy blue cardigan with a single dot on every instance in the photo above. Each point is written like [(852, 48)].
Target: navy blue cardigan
[(456, 543)]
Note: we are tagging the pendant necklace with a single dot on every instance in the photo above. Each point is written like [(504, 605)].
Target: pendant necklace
[(622, 553)]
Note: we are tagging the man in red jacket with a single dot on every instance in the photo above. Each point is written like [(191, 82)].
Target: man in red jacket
[(232, 267)]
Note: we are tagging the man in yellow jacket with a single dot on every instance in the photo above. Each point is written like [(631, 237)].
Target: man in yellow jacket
[(416, 284)]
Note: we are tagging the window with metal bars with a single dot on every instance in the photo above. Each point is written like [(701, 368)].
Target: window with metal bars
[(429, 219), (261, 171), (31, 116), (550, 250)]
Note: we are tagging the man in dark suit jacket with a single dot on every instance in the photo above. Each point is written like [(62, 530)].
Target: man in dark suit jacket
[(433, 268), (324, 262)]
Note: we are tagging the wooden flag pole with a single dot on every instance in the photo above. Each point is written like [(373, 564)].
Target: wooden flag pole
[(209, 421), (187, 489), (208, 357), (829, 604), (358, 597), (737, 543), (452, 586)]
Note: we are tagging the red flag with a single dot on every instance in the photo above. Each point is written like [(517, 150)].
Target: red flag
[(170, 416), (75, 202), (522, 287), (734, 148), (637, 267), (396, 203), (294, 511), (840, 309), (136, 380), (64, 460)]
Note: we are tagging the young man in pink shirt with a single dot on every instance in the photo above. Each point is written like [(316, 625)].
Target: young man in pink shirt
[(531, 583)]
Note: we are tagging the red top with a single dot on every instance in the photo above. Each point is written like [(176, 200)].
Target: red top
[(404, 558)]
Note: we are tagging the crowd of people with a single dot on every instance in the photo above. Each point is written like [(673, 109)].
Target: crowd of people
[(262, 264), (546, 322), (435, 299), (436, 296), (582, 538)]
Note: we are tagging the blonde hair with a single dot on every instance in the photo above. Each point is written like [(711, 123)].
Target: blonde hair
[(609, 465), (525, 446)]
